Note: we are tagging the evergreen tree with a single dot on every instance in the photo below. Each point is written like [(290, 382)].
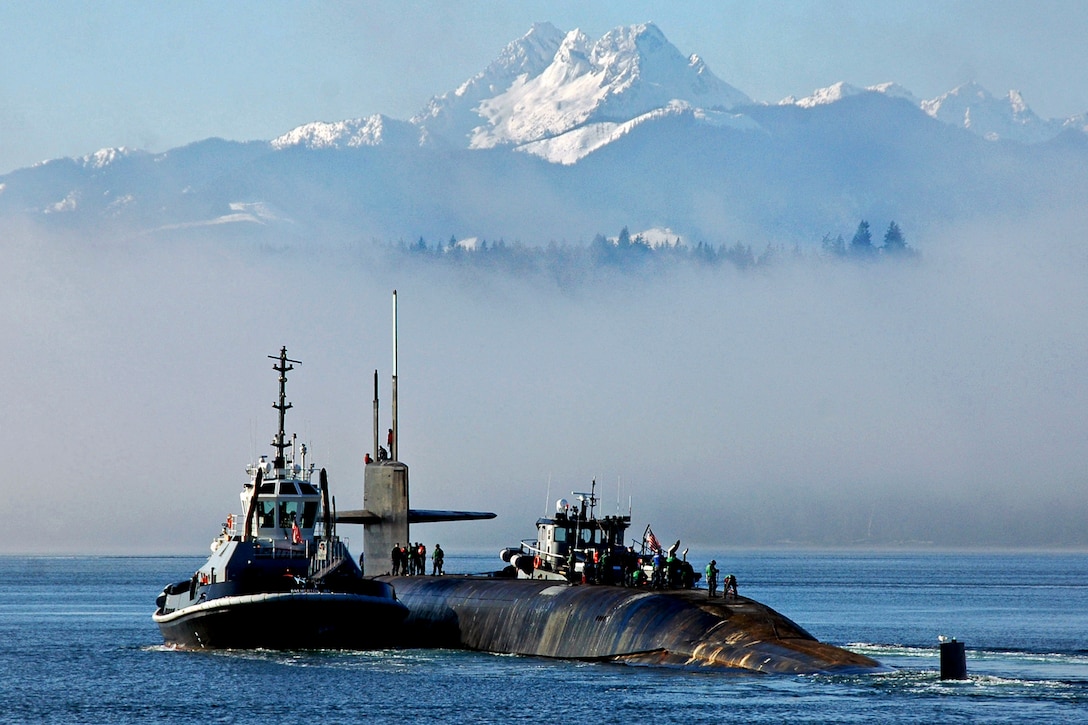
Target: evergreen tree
[(894, 241), (862, 243), (740, 255), (834, 247)]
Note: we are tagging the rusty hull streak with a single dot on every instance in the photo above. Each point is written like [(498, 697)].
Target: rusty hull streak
[(674, 628)]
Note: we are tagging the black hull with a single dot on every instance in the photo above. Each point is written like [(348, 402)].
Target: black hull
[(682, 628), (288, 620)]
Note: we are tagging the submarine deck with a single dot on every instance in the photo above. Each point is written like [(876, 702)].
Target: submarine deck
[(599, 622)]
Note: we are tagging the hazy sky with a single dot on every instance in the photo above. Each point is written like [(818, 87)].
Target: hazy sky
[(79, 76), (941, 402)]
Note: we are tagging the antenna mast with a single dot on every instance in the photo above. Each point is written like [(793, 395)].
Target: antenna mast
[(375, 415), (280, 442), (396, 437)]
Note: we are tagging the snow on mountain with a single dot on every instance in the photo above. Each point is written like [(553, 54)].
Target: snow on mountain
[(685, 151), (451, 117), (656, 237), (370, 131), (841, 90), (1078, 122), (627, 73), (104, 157), (971, 106), (562, 96), (571, 147)]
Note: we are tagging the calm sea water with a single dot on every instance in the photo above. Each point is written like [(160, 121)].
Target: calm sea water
[(77, 645)]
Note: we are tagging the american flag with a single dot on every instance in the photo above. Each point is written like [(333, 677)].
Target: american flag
[(652, 540)]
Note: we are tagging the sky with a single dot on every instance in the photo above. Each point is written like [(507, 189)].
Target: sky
[(79, 76), (931, 404)]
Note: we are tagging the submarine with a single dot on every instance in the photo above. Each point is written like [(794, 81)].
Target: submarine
[(544, 604)]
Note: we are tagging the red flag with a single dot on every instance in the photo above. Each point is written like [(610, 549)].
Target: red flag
[(296, 535), (652, 540)]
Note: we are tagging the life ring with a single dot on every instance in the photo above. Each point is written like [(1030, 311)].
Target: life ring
[(536, 562)]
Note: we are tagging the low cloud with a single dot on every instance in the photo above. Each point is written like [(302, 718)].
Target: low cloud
[(936, 402)]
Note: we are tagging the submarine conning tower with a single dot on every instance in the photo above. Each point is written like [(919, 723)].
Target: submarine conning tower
[(385, 515), (385, 498)]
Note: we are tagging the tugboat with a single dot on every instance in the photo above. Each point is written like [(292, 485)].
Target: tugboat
[(574, 545), (279, 577)]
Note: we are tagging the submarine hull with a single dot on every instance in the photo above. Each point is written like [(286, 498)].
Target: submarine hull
[(681, 628), (285, 620)]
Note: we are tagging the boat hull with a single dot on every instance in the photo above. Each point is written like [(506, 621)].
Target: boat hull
[(285, 620), (682, 628)]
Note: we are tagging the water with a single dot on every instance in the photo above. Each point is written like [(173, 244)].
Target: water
[(77, 645)]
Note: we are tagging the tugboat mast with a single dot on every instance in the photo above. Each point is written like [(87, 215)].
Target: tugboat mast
[(280, 441)]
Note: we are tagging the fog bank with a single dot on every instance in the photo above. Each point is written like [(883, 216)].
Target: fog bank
[(939, 402)]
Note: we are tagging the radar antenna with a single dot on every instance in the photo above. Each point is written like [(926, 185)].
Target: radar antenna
[(282, 366)]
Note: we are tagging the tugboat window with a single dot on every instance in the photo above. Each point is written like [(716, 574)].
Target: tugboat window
[(266, 512), (309, 513), (289, 511), (287, 487), (560, 534), (307, 489)]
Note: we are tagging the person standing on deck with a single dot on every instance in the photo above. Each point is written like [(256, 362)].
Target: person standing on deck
[(712, 577), (438, 557)]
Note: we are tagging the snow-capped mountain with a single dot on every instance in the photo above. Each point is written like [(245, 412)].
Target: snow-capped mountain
[(562, 137), (841, 90), (451, 117), (556, 96), (370, 131), (626, 74), (562, 96), (970, 107)]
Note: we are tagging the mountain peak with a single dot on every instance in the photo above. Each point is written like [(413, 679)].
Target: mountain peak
[(370, 131), (972, 107), (842, 89), (628, 72), (105, 157), (451, 116)]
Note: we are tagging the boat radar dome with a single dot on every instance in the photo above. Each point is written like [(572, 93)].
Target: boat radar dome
[(561, 505)]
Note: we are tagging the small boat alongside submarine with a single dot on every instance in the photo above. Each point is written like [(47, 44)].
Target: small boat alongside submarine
[(575, 592), (279, 577)]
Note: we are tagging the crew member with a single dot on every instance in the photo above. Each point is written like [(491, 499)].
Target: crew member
[(712, 577), (396, 559), (438, 558)]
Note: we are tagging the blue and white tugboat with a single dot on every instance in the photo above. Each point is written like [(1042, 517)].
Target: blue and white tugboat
[(279, 577)]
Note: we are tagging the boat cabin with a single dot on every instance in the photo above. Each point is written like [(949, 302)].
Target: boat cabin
[(563, 540), (287, 501)]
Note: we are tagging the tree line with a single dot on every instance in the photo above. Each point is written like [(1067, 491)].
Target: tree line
[(862, 247), (630, 252)]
